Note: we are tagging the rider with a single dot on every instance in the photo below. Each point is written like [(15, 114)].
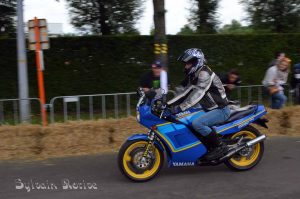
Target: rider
[(204, 87)]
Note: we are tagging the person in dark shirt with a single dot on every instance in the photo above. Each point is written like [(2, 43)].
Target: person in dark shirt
[(151, 80), (230, 81), (295, 82)]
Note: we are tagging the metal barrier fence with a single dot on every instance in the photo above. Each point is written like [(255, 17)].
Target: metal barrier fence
[(257, 93), (9, 110), (116, 105), (91, 105)]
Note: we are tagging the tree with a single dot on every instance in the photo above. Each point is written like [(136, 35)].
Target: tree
[(235, 28), (274, 15), (7, 14), (160, 39), (105, 17), (186, 30), (204, 15), (152, 30)]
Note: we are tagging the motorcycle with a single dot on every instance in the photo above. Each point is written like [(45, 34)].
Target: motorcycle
[(142, 156)]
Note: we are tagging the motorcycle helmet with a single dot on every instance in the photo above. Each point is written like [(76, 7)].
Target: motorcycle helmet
[(194, 56)]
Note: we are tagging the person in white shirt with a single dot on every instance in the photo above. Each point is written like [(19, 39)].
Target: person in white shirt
[(275, 77)]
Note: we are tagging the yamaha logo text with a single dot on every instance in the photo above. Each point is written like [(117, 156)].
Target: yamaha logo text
[(183, 164)]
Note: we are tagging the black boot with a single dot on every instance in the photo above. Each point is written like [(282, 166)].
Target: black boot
[(217, 149)]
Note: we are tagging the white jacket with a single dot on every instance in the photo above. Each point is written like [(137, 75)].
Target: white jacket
[(275, 77)]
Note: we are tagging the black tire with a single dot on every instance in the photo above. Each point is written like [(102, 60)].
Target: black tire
[(259, 147), (130, 174)]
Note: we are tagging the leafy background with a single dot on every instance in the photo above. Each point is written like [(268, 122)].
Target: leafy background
[(108, 64)]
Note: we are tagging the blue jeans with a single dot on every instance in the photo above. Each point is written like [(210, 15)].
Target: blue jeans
[(203, 123), (278, 100)]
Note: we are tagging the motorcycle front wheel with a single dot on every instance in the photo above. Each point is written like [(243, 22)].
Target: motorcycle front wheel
[(134, 166), (250, 156)]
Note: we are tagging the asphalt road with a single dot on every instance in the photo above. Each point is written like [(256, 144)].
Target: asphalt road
[(277, 176)]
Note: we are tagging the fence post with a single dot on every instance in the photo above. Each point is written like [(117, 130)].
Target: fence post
[(29, 106), (78, 109), (15, 110), (1, 113), (91, 107), (289, 97), (65, 107), (249, 94), (103, 107), (51, 113), (240, 94), (128, 105), (116, 106), (259, 95), (297, 94)]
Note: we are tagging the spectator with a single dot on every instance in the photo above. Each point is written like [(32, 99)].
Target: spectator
[(275, 77), (278, 57), (150, 81), (230, 81), (295, 82)]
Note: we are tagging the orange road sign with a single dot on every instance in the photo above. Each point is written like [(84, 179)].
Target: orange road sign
[(43, 34), (37, 37)]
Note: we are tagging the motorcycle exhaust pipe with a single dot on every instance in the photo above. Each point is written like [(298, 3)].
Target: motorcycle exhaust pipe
[(256, 140), (247, 144)]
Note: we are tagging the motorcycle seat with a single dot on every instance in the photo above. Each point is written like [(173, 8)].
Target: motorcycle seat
[(241, 112)]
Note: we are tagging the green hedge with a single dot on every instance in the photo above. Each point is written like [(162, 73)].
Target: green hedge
[(86, 65)]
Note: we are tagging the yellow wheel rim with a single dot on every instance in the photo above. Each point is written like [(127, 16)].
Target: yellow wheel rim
[(127, 159), (243, 161)]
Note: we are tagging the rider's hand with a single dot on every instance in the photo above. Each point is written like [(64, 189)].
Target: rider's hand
[(150, 94)]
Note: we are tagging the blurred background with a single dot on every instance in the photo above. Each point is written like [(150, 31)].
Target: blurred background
[(104, 46)]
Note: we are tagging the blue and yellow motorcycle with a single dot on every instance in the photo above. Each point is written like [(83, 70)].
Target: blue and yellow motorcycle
[(172, 137)]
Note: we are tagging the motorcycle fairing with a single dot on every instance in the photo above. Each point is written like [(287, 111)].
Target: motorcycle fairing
[(147, 119), (183, 145)]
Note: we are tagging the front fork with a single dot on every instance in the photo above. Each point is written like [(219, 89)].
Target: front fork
[(151, 137)]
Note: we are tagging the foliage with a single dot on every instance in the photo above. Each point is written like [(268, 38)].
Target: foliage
[(235, 28), (107, 64), (204, 15), (7, 14), (186, 30), (280, 16), (105, 17)]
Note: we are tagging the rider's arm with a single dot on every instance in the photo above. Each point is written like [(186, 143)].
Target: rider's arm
[(180, 96), (194, 93), (179, 90), (198, 90)]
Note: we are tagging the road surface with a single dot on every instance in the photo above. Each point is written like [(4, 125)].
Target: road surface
[(277, 176)]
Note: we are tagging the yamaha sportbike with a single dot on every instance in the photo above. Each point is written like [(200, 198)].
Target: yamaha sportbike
[(142, 156)]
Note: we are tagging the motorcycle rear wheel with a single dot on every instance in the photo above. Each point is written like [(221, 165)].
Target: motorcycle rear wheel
[(246, 160)]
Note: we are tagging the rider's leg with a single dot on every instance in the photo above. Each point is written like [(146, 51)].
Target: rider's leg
[(202, 125)]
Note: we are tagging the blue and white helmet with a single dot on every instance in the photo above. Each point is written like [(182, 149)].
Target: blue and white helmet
[(195, 56)]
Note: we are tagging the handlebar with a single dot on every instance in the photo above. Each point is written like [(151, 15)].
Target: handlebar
[(158, 105)]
